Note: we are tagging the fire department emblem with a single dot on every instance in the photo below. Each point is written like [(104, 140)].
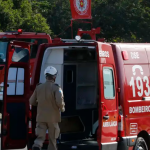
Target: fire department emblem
[(81, 6)]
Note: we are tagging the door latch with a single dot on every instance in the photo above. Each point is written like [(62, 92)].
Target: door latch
[(106, 117)]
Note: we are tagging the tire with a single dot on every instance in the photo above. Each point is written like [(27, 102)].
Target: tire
[(140, 144)]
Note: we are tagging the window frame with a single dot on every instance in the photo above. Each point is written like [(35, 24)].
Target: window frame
[(110, 98), (16, 53)]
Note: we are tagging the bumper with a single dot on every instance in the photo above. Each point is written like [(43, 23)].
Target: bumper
[(123, 144)]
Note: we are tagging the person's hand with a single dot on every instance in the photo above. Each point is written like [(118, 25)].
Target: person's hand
[(63, 109)]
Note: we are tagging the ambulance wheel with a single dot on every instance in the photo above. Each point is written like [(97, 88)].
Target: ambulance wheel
[(140, 144)]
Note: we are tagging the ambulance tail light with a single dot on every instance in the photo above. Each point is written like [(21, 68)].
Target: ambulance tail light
[(125, 55), (120, 126)]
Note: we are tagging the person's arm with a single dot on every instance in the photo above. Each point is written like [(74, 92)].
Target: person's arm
[(33, 99), (59, 98)]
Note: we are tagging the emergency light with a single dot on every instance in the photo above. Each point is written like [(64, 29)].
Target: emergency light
[(19, 31), (125, 55), (78, 38)]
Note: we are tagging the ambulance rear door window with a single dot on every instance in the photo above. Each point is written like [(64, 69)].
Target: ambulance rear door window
[(108, 79), (15, 81), (20, 55)]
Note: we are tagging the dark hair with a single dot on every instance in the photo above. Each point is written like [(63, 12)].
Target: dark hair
[(50, 77)]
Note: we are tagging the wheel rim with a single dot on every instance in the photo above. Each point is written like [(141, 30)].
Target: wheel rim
[(140, 148), (141, 145)]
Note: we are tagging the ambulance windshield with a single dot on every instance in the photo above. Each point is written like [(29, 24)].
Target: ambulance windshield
[(3, 51)]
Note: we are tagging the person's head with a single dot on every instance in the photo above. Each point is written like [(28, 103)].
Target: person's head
[(50, 73)]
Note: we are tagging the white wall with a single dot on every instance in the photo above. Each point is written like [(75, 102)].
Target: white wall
[(53, 57)]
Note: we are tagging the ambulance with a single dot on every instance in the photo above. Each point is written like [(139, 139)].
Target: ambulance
[(32, 37), (106, 92)]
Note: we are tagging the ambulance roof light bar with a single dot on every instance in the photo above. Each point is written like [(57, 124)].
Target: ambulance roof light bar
[(19, 31), (75, 41)]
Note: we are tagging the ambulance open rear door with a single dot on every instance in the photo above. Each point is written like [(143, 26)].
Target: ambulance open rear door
[(108, 111), (15, 88)]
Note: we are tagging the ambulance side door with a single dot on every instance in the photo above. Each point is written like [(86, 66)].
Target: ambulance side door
[(108, 112), (16, 97)]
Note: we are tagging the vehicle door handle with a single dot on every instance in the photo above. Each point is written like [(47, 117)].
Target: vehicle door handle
[(106, 117)]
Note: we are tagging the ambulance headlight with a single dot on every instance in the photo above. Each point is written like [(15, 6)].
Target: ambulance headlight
[(77, 37)]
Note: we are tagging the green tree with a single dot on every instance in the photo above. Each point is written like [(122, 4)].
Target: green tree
[(19, 14), (123, 21), (57, 13), (120, 21)]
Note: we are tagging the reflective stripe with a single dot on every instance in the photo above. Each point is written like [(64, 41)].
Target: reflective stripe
[(11, 81), (109, 143), (129, 137), (21, 81)]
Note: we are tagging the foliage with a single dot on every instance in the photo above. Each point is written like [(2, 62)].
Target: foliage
[(126, 21), (57, 13), (19, 14), (120, 21)]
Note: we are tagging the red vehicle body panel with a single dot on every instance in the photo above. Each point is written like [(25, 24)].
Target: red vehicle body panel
[(109, 107), (26, 36), (7, 141), (133, 81), (108, 134), (133, 122), (130, 66)]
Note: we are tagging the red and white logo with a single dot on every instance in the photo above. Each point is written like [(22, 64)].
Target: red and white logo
[(81, 6)]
